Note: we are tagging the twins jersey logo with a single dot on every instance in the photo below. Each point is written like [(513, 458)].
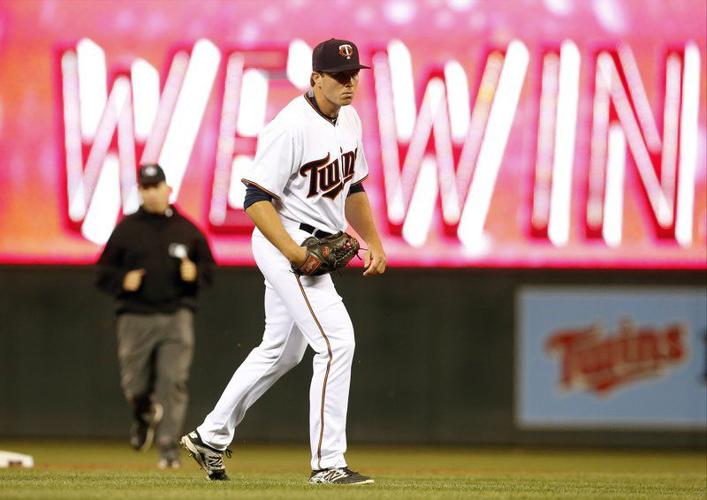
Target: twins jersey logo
[(325, 177), (346, 51)]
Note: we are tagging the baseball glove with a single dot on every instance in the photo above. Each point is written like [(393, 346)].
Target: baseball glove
[(327, 254)]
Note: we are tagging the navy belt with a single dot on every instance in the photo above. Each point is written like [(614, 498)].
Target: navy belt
[(318, 233)]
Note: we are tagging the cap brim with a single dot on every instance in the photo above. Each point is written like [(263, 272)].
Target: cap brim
[(150, 183), (343, 67)]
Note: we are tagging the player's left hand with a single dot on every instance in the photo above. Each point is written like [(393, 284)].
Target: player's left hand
[(187, 270), (374, 260)]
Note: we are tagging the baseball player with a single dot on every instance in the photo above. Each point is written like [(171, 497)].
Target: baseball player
[(306, 180)]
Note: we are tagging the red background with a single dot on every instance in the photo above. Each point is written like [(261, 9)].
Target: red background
[(33, 223)]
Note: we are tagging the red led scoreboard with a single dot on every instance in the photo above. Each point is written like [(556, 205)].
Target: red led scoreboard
[(523, 134)]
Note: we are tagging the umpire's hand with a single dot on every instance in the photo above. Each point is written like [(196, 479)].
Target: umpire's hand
[(133, 280), (187, 270)]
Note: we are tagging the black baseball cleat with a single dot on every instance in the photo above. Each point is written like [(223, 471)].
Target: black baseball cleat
[(169, 458), (341, 475), (209, 459), (142, 432)]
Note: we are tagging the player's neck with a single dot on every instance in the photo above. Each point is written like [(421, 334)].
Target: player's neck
[(326, 107)]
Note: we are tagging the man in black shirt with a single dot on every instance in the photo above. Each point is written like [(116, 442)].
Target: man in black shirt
[(154, 264)]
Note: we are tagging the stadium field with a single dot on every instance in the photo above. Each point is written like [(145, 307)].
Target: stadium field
[(110, 470)]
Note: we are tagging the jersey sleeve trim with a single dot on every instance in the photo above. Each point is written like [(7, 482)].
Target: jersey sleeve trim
[(359, 181), (356, 188), (251, 183)]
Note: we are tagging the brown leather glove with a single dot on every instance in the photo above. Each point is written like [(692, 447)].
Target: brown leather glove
[(327, 254)]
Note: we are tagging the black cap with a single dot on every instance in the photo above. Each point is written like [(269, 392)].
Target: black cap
[(150, 174), (335, 55)]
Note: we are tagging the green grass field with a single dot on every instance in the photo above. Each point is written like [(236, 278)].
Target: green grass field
[(110, 470)]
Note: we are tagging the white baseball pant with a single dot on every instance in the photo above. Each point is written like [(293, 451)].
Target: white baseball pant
[(298, 312)]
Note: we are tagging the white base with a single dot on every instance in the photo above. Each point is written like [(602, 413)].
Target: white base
[(11, 459)]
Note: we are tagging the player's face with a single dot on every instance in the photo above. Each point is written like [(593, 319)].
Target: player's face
[(339, 88), (155, 198)]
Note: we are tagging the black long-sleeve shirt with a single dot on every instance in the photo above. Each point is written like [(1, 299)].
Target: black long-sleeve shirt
[(154, 242)]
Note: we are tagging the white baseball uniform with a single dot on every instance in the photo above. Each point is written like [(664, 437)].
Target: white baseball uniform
[(307, 163)]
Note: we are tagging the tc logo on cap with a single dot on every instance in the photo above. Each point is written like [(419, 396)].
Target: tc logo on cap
[(150, 171), (346, 51)]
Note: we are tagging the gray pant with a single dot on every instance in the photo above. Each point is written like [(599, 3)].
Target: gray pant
[(155, 353)]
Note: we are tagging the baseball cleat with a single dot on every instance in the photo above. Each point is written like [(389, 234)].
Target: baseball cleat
[(341, 475), (169, 458), (142, 433), (209, 459), (166, 463)]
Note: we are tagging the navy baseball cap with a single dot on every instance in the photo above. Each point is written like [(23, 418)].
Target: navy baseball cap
[(334, 56), (150, 174)]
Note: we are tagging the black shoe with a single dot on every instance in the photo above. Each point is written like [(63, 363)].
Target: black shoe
[(209, 459), (342, 475), (166, 463), (169, 458), (142, 433)]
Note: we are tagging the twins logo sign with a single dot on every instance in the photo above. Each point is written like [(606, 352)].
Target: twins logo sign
[(611, 357), (591, 360)]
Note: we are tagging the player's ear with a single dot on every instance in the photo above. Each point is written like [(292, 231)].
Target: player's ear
[(315, 79)]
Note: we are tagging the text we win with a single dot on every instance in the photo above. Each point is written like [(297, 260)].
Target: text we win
[(442, 136)]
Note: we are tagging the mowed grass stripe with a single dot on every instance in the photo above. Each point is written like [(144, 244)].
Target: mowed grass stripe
[(110, 470)]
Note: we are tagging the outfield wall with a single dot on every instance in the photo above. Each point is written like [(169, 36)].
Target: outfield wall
[(437, 359)]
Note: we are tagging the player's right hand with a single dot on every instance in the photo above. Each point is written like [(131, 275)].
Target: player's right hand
[(374, 260), (133, 280), (299, 256)]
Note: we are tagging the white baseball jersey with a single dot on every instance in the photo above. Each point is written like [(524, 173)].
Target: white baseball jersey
[(307, 163)]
